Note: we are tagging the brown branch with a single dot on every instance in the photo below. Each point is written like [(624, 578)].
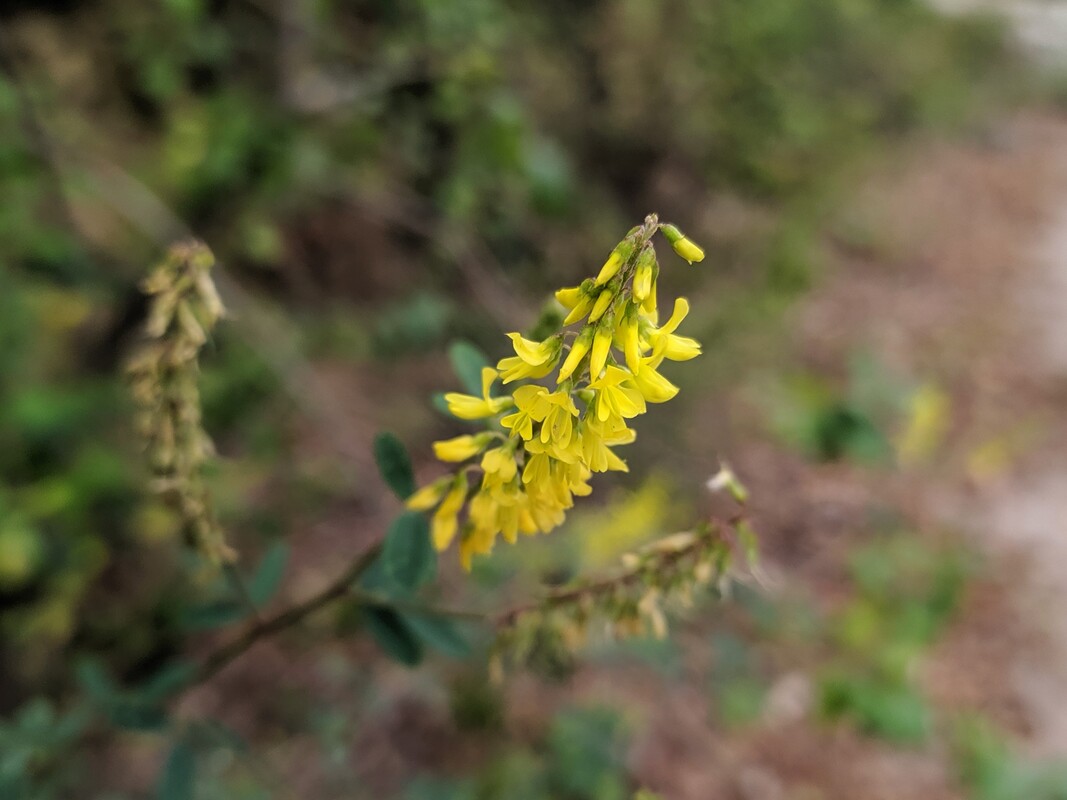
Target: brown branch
[(339, 588)]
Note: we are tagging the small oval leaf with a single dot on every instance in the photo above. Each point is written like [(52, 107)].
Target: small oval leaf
[(394, 464), (393, 635), (467, 362), (269, 574), (407, 555), (440, 633), (178, 778)]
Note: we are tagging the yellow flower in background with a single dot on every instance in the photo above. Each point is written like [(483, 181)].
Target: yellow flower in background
[(499, 465), (428, 496), (467, 406)]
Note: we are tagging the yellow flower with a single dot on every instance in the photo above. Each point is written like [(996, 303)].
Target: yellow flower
[(535, 352), (596, 450), (616, 396), (667, 344), (558, 424), (578, 350), (467, 406), (530, 408), (460, 448), (653, 386), (446, 518), (428, 496), (475, 540), (499, 465), (514, 368), (532, 359)]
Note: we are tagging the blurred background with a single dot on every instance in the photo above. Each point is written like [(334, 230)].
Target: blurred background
[(881, 187)]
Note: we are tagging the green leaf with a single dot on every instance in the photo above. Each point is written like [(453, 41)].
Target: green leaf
[(136, 715), (269, 575), (467, 362), (212, 615), (178, 779), (393, 635), (394, 464), (440, 633), (408, 556), (167, 681), (96, 682)]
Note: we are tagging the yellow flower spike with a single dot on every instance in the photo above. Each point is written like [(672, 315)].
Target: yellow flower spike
[(460, 448), (428, 496), (682, 244), (603, 302), (616, 396), (653, 386), (614, 263), (465, 406), (578, 350), (446, 519), (598, 354), (530, 408)]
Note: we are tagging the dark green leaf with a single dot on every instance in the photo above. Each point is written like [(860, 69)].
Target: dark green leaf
[(212, 615), (178, 779), (440, 633), (269, 575), (393, 635), (96, 682), (394, 464), (467, 362), (167, 681), (408, 556), (136, 715)]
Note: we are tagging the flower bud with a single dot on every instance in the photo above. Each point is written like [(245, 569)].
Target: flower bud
[(578, 350), (602, 303), (682, 244), (646, 263), (598, 357), (614, 263)]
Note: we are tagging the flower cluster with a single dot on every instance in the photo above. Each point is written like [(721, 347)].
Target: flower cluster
[(163, 374), (545, 442)]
